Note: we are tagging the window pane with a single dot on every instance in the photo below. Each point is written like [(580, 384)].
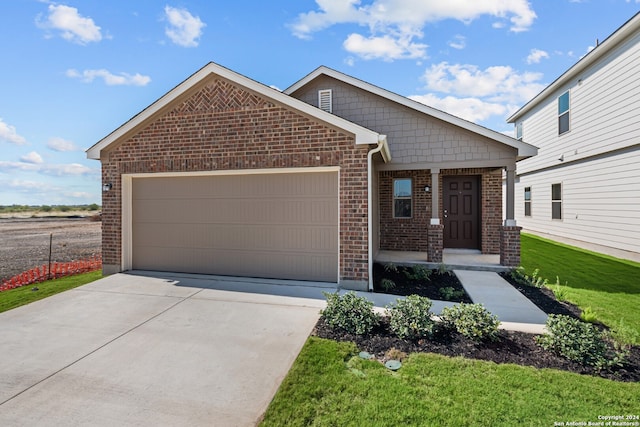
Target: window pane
[(402, 188), (402, 208), (527, 208), (563, 123), (563, 103), (527, 193), (556, 191), (556, 210), (519, 130)]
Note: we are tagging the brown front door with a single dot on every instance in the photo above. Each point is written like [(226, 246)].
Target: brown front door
[(461, 212)]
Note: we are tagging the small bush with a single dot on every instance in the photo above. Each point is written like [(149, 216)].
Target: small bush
[(521, 277), (579, 341), (390, 267), (350, 313), (449, 293), (387, 284), (472, 321), (588, 315), (418, 272), (411, 317)]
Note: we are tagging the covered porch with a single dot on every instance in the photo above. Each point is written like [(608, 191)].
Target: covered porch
[(452, 259)]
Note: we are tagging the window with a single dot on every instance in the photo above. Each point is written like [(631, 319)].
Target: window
[(563, 113), (402, 198), (556, 201), (527, 201), (324, 100), (519, 131)]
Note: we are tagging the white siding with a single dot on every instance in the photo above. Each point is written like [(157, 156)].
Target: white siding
[(600, 201), (604, 112), (600, 155)]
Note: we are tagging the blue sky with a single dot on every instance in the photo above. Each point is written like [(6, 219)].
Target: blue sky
[(73, 71)]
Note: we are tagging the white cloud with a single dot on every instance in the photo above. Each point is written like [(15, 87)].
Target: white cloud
[(61, 145), (458, 42), (385, 47), (8, 133), (72, 26), (110, 79), (477, 95), (32, 157), (536, 55), (471, 109), (497, 84), (184, 29), (69, 169), (394, 25)]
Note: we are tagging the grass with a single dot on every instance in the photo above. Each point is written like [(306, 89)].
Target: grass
[(330, 386), (20, 296), (607, 288)]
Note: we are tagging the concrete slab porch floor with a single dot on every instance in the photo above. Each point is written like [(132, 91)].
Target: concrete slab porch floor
[(453, 259)]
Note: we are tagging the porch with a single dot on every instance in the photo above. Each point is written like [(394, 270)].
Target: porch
[(454, 259)]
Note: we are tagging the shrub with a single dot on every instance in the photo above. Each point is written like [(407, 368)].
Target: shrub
[(449, 293), (390, 268), (387, 284), (579, 341), (521, 277), (418, 272), (350, 313), (588, 315), (472, 321), (411, 317)]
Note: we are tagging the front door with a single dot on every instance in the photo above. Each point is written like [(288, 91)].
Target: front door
[(461, 212)]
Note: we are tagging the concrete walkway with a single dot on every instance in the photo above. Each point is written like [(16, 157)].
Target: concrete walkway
[(515, 311)]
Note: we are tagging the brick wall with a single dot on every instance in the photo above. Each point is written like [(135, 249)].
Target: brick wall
[(400, 234), (224, 127), (405, 234)]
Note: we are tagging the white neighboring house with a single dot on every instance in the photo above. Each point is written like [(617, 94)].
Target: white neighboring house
[(584, 184)]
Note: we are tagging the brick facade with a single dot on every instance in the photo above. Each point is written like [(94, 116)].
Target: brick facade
[(223, 127), (411, 234)]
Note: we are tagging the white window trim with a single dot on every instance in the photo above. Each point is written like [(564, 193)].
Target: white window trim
[(394, 198)]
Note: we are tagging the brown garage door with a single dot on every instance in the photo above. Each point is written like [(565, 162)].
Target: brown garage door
[(281, 225)]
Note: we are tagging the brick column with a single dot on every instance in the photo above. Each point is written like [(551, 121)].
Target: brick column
[(435, 234), (510, 246)]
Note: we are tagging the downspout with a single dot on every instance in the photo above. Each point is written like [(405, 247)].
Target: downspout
[(382, 148)]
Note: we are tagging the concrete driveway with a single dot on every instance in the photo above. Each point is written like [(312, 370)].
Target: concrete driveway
[(134, 349)]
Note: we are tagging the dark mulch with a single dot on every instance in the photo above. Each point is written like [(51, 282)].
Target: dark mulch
[(430, 288), (511, 347)]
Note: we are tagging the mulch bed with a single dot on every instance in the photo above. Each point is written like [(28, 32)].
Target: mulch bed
[(511, 347), (430, 288)]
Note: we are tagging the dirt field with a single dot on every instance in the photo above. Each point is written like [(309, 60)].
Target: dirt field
[(24, 242)]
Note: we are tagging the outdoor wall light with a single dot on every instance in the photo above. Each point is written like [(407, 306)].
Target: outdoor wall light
[(106, 187), (427, 188)]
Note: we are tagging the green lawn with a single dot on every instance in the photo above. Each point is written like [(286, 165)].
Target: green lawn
[(610, 286), (330, 386), (20, 296)]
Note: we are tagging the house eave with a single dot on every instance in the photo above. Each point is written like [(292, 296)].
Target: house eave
[(622, 33), (362, 135)]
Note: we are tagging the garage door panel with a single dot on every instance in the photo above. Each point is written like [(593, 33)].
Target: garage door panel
[(238, 211), (271, 225)]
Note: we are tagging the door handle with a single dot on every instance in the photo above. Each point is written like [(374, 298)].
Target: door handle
[(445, 213)]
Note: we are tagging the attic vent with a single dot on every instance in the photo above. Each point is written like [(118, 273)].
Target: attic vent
[(324, 100)]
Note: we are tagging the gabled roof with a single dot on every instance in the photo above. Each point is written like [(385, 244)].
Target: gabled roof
[(629, 28), (362, 134), (524, 150)]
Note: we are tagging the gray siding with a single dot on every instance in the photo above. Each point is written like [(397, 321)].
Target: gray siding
[(600, 155), (414, 138)]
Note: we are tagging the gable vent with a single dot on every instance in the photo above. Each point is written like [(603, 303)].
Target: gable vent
[(324, 100)]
